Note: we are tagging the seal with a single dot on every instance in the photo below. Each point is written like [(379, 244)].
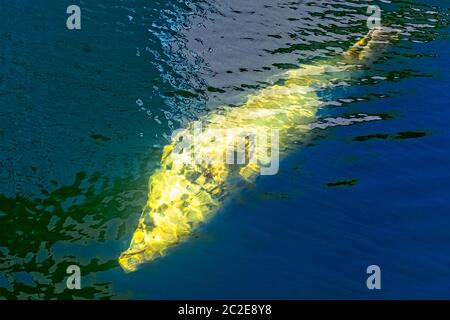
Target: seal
[(198, 170)]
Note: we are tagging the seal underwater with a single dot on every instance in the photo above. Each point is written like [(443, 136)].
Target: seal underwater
[(186, 191)]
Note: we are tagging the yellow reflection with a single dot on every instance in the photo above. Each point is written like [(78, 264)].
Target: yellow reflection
[(186, 191)]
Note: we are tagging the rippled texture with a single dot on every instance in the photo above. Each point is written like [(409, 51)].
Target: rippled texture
[(85, 116), (197, 166)]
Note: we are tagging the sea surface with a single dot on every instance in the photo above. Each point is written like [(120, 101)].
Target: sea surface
[(85, 115)]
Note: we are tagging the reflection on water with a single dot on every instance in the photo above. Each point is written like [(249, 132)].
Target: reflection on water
[(84, 119)]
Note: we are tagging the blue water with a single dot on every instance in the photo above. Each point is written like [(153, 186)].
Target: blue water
[(85, 114)]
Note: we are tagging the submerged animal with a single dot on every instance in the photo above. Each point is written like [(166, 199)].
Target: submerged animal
[(195, 175)]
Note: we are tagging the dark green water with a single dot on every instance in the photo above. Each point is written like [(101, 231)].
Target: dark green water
[(85, 114)]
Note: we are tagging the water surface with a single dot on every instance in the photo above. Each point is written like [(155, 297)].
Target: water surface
[(85, 114)]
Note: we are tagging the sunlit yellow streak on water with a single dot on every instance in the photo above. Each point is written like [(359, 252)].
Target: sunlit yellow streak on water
[(183, 194)]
